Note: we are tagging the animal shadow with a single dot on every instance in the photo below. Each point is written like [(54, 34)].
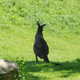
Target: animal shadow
[(68, 68)]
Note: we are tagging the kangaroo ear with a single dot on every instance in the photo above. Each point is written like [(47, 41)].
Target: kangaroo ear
[(43, 25), (38, 23)]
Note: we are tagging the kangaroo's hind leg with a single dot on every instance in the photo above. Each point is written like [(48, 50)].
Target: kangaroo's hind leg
[(36, 58), (46, 59)]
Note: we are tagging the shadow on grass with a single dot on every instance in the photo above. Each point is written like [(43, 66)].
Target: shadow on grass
[(66, 68), (24, 70)]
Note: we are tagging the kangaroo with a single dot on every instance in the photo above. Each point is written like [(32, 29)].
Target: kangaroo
[(40, 46)]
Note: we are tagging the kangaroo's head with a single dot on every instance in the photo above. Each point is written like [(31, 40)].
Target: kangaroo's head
[(40, 26)]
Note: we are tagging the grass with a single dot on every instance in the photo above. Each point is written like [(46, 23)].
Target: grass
[(68, 70), (17, 29)]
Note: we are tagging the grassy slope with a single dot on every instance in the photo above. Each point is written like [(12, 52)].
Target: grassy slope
[(17, 29)]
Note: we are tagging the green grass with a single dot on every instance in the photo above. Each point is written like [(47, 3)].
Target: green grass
[(62, 33)]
